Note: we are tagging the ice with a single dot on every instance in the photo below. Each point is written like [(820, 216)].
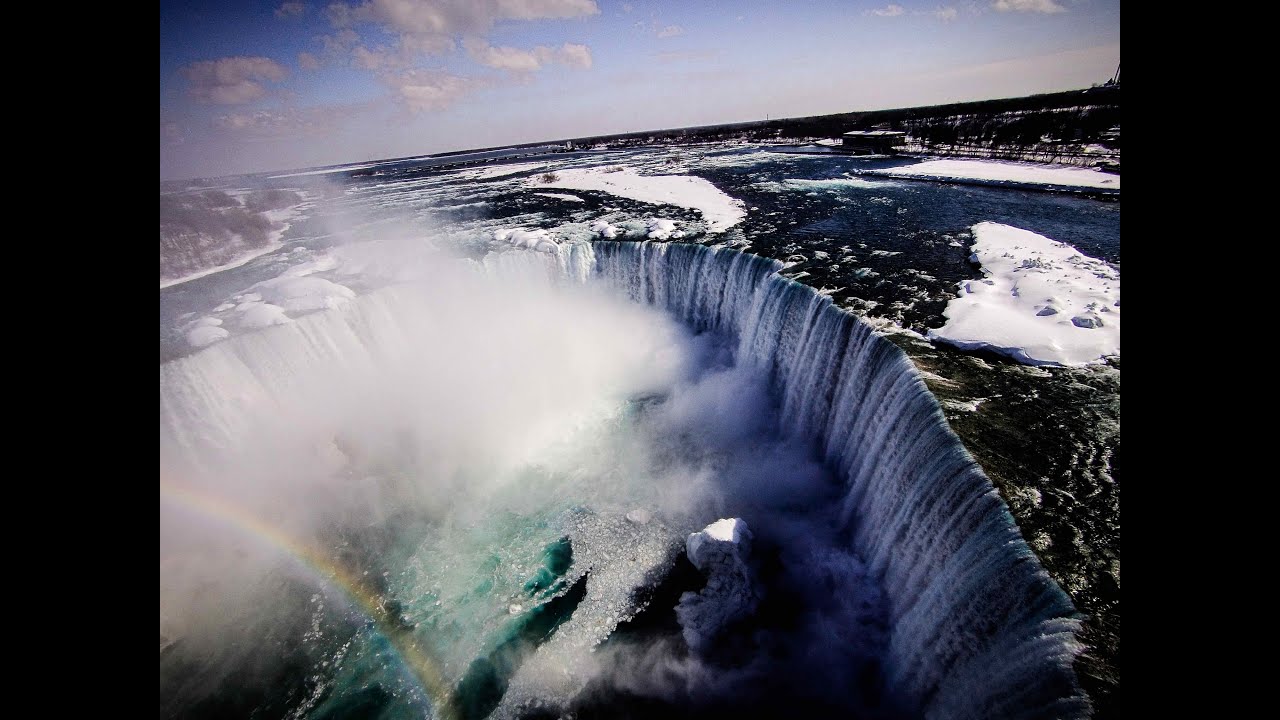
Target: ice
[(720, 551), (562, 196), (261, 315), (202, 335), (1011, 172), (604, 229), (539, 240), (662, 229), (303, 294), (498, 171), (1041, 302), (720, 211)]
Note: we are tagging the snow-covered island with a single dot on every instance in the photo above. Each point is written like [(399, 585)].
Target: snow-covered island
[(997, 172), (719, 210), (1041, 302)]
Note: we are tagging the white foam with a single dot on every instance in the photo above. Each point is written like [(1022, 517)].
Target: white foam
[(720, 211), (1041, 302), (1013, 172)]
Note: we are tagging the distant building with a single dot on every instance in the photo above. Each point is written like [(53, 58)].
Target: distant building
[(874, 142)]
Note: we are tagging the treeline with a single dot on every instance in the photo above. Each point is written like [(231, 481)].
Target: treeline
[(1076, 115)]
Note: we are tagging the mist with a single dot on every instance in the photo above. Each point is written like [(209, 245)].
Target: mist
[(424, 443)]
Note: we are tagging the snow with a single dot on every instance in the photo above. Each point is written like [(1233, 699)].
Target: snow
[(322, 263), (720, 211), (303, 294), (539, 240), (262, 315), (242, 260), (835, 183), (1011, 172), (726, 530), (1041, 302), (562, 196), (604, 229), (326, 171), (662, 229), (498, 171), (721, 552), (202, 335)]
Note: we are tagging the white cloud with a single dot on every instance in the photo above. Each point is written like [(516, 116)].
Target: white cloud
[(307, 61), (232, 80), (670, 31), (291, 9), (574, 55), (339, 43), (424, 90), (367, 59), (517, 60), (1040, 6), (285, 122), (432, 25), (888, 11), (945, 14)]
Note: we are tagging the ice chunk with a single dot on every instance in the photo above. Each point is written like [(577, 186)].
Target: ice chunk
[(263, 315), (720, 551)]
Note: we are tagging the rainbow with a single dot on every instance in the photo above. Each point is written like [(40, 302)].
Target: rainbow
[(412, 656)]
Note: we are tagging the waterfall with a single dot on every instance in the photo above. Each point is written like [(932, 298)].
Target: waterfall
[(978, 629)]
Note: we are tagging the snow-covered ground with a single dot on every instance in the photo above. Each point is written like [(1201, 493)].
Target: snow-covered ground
[(241, 260), (327, 171), (1042, 302), (562, 196), (720, 211), (497, 171), (1011, 172)]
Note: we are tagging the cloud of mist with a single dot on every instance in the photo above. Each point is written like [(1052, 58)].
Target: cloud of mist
[(460, 396)]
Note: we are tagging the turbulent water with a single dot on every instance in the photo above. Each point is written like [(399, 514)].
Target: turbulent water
[(463, 489)]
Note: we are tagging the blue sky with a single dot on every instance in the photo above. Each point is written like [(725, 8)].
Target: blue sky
[(255, 86)]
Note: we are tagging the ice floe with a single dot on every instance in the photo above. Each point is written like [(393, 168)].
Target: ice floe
[(1040, 302), (719, 210), (1009, 172)]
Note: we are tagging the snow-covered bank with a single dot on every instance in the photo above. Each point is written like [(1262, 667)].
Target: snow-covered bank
[(1042, 302), (1058, 176), (720, 211), (327, 171), (241, 260)]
